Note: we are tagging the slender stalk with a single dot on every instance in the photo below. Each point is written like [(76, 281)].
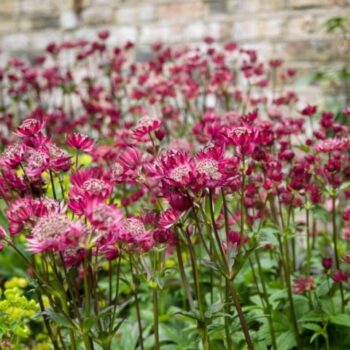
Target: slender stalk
[(156, 318), (183, 277), (137, 305), (242, 320), (336, 254), (308, 248), (268, 305), (202, 326)]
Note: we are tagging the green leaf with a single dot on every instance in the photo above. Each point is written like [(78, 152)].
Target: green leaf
[(60, 319), (312, 327), (341, 319), (286, 340)]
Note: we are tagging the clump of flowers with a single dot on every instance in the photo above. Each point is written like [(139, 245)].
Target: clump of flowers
[(194, 187)]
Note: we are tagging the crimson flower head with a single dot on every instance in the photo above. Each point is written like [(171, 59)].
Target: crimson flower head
[(133, 231), (347, 111), (327, 263), (209, 164), (103, 216), (13, 155), (304, 284), (145, 126), (48, 232), (309, 111), (335, 144), (80, 142), (175, 168), (346, 213), (103, 34), (244, 138), (30, 127), (59, 159), (340, 276)]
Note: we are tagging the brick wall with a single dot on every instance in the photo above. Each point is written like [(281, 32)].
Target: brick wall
[(291, 29)]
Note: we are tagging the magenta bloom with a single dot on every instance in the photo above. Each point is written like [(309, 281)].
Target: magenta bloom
[(244, 138), (309, 111), (13, 155), (339, 276), (103, 216), (330, 145), (49, 231), (37, 162), (144, 127), (346, 213), (59, 159), (304, 284), (176, 168), (209, 164), (30, 127), (80, 142), (133, 231)]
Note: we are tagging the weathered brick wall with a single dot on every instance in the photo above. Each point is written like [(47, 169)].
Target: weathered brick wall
[(291, 29)]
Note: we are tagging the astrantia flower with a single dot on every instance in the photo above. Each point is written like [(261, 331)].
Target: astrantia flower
[(208, 164), (339, 276), (59, 160), (132, 230), (309, 111), (48, 233), (327, 263), (103, 216), (244, 138), (80, 142), (304, 284), (145, 126), (13, 155), (168, 218), (90, 183), (176, 168), (37, 161), (330, 145), (30, 127)]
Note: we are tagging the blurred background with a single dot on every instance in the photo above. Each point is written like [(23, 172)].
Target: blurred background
[(310, 35)]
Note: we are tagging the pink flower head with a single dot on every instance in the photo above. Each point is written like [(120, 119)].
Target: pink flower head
[(309, 111), (209, 164), (13, 155), (103, 216), (48, 232), (133, 231), (90, 183), (59, 159), (80, 142), (144, 127), (244, 138), (30, 127), (346, 258), (103, 34), (37, 162), (168, 218), (176, 168), (304, 284), (339, 276), (346, 213), (331, 145), (347, 111), (327, 263)]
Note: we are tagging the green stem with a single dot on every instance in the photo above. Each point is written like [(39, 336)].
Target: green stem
[(336, 254), (137, 305)]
